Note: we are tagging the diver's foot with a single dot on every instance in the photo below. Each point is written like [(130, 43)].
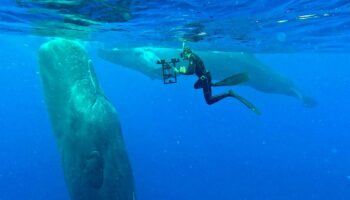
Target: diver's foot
[(244, 101)]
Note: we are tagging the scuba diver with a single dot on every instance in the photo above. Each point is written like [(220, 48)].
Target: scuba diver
[(196, 66)]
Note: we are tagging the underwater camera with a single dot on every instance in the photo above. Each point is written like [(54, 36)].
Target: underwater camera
[(169, 74)]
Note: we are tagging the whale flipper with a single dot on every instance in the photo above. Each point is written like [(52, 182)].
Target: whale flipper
[(93, 169), (235, 79)]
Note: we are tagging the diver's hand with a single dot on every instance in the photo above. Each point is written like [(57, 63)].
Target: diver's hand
[(182, 70)]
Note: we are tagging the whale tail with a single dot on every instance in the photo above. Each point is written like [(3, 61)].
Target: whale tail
[(309, 101), (235, 79)]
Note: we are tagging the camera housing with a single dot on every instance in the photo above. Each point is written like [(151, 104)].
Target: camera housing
[(169, 74)]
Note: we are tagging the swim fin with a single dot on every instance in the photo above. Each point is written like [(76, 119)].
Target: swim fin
[(233, 80), (245, 102)]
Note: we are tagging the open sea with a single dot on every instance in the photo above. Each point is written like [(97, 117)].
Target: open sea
[(179, 147)]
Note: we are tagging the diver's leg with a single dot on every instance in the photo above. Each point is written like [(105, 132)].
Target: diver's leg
[(198, 84), (206, 82)]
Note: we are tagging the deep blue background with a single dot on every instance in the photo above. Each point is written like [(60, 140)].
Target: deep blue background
[(180, 147)]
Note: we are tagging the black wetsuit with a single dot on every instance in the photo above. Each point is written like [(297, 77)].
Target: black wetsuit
[(196, 66)]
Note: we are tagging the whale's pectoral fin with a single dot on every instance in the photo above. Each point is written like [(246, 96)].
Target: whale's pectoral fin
[(156, 73), (235, 79), (93, 169)]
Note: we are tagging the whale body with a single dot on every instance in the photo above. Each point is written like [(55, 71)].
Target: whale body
[(220, 64), (85, 125)]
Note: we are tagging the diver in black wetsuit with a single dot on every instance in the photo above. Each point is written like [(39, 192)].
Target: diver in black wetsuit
[(196, 66)]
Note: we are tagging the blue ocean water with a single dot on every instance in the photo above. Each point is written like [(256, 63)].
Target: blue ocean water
[(181, 148)]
